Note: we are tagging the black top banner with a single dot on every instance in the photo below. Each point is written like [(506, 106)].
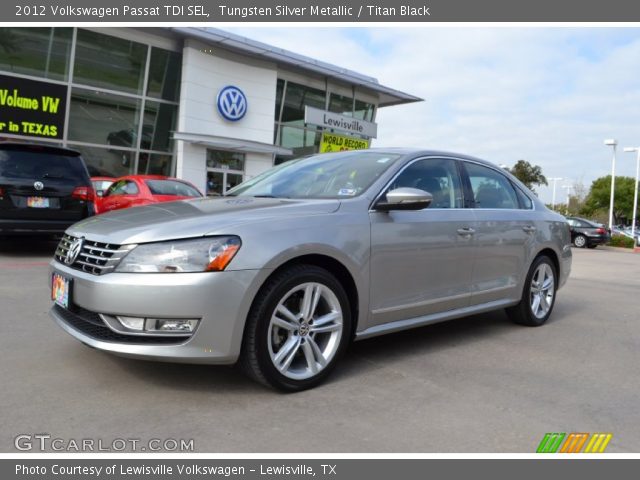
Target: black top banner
[(353, 11)]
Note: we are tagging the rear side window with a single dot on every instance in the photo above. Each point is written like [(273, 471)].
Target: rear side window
[(41, 165), (525, 201), (172, 187), (491, 189)]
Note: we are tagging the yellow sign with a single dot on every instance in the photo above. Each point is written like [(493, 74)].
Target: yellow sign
[(331, 142)]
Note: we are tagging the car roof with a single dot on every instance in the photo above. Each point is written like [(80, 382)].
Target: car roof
[(34, 147), (420, 152)]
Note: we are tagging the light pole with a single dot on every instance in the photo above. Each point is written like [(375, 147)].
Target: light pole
[(568, 188), (553, 198), (612, 143), (635, 192)]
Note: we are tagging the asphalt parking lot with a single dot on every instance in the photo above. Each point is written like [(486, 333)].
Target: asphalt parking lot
[(480, 384)]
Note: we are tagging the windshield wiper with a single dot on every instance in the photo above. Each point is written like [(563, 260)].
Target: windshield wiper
[(51, 175)]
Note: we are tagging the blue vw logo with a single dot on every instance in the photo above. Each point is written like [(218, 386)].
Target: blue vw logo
[(232, 104)]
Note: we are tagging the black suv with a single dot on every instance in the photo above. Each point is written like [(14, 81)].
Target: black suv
[(43, 190)]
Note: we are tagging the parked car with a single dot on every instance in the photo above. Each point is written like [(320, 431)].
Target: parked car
[(138, 190), (290, 266), (585, 233), (43, 190)]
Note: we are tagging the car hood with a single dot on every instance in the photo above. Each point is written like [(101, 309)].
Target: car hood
[(193, 218)]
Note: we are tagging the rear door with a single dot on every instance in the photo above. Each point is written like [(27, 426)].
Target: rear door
[(421, 261), (505, 233), (38, 185)]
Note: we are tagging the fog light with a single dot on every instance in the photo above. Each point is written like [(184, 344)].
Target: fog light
[(171, 325), (132, 323)]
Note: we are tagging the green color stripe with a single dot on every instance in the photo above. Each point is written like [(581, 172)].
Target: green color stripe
[(550, 442)]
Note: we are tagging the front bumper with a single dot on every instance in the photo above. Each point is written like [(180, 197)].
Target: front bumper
[(221, 300)]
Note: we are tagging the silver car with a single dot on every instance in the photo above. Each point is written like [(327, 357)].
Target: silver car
[(290, 266)]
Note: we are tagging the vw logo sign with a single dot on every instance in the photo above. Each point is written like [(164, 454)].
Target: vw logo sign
[(74, 251), (231, 103), (38, 186)]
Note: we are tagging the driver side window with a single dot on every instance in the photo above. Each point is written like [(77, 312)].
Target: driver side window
[(437, 176)]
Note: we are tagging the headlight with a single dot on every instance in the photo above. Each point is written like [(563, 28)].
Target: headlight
[(211, 254)]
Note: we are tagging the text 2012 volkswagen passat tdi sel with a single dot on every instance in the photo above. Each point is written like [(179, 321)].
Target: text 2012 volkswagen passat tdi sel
[(290, 266)]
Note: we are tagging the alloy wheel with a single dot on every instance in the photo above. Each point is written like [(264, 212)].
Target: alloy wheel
[(542, 290), (305, 330)]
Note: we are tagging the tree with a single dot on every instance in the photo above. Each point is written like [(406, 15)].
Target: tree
[(528, 174), (600, 194)]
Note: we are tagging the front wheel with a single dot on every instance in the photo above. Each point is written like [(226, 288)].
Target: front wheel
[(538, 296), (297, 329)]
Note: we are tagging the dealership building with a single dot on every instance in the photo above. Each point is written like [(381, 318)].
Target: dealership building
[(202, 104)]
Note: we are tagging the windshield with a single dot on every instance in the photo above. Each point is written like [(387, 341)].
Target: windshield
[(328, 175)]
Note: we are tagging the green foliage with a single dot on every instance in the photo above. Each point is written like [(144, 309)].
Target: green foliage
[(599, 197), (621, 241), (528, 174)]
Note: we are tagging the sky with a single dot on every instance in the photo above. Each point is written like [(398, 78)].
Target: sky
[(550, 96)]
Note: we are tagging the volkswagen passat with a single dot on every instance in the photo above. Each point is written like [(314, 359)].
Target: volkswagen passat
[(290, 266)]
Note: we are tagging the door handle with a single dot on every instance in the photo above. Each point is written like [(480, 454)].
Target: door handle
[(529, 228), (466, 231)]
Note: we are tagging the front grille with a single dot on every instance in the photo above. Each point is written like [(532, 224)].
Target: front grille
[(91, 324), (95, 257)]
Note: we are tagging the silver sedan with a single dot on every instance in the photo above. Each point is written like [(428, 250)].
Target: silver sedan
[(290, 266)]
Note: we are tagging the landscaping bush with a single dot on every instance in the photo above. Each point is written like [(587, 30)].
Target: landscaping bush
[(621, 241)]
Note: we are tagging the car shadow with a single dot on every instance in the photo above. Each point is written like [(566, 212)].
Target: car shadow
[(361, 357), (28, 246)]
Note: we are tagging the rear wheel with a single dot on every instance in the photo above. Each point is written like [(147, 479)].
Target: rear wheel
[(580, 241), (297, 329), (538, 295)]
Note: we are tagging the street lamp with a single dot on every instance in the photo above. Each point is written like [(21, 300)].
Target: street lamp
[(612, 143), (635, 192), (568, 188), (553, 198)]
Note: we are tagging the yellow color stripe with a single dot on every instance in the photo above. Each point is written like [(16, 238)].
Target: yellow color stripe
[(598, 443)]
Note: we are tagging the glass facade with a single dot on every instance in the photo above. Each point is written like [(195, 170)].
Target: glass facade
[(122, 95), (290, 130)]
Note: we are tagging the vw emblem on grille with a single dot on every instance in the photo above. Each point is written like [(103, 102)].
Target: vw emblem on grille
[(231, 103), (38, 185), (74, 251)]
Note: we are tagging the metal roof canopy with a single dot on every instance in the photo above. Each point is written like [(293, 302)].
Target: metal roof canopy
[(236, 43), (230, 144)]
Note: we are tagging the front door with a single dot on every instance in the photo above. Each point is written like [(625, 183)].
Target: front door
[(421, 261)]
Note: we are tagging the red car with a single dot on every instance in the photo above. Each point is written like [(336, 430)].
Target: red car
[(138, 190)]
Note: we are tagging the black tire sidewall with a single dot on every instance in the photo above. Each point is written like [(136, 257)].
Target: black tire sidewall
[(272, 296)]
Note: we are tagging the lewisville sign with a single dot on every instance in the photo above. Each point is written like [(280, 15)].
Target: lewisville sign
[(32, 108), (325, 119)]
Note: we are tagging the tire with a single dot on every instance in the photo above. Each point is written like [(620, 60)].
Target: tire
[(580, 241), (288, 345), (538, 294)]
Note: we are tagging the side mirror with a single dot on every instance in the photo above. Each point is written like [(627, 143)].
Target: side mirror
[(405, 198), (100, 193)]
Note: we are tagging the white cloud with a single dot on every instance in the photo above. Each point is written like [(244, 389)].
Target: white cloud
[(547, 95)]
